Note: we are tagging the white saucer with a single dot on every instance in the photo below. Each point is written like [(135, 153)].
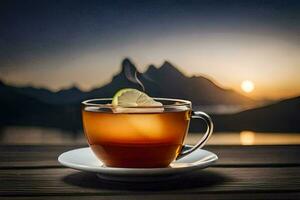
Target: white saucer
[(84, 159)]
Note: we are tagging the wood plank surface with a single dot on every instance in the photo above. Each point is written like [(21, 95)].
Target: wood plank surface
[(215, 196), (242, 172), (63, 181), (14, 156)]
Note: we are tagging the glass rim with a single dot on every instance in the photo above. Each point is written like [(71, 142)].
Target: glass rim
[(180, 102)]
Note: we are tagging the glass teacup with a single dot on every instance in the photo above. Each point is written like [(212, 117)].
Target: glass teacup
[(140, 137)]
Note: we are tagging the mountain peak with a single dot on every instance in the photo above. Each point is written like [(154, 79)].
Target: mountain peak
[(127, 65), (75, 87), (167, 67), (151, 69), (167, 64), (72, 88), (129, 73)]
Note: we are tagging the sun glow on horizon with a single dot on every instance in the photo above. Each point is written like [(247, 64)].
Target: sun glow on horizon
[(247, 86)]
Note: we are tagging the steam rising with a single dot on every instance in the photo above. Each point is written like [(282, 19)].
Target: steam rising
[(131, 74)]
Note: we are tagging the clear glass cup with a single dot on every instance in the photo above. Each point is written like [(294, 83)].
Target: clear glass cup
[(140, 137)]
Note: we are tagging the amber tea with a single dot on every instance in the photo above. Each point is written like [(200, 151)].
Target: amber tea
[(136, 139)]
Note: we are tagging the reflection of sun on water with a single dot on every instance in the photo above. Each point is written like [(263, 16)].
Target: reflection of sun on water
[(247, 138)]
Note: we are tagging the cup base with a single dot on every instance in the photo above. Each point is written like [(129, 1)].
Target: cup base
[(137, 164), (136, 155)]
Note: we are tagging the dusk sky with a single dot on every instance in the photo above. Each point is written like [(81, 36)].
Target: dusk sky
[(56, 44)]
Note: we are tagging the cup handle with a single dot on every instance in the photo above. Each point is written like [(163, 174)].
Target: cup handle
[(210, 126)]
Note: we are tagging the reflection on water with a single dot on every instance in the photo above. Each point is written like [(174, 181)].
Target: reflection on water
[(247, 137), (37, 135)]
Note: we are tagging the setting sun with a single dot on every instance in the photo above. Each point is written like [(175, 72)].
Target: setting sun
[(247, 86)]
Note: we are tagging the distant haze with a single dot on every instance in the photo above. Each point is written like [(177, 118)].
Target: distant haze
[(56, 44)]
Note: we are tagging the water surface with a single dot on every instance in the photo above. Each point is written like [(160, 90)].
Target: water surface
[(38, 135)]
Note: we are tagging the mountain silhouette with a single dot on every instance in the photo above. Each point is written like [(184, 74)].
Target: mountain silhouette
[(282, 116), (18, 108), (165, 81), (29, 106), (168, 81), (70, 95)]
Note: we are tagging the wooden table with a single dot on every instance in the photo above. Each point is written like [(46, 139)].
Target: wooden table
[(242, 172)]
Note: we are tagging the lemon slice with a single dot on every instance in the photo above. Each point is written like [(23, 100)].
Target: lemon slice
[(126, 99)]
